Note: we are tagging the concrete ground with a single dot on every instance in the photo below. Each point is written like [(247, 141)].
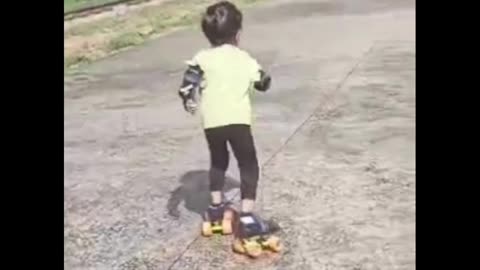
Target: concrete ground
[(335, 136)]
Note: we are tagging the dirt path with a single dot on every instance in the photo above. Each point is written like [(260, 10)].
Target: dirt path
[(343, 187)]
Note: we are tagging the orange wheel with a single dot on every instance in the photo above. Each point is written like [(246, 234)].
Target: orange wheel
[(238, 246), (207, 229), (273, 243), (253, 249)]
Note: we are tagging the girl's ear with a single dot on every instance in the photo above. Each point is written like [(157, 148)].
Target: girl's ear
[(237, 36)]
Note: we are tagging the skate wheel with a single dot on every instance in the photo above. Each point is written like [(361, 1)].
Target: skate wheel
[(238, 246), (253, 249), (207, 229), (273, 243), (227, 226)]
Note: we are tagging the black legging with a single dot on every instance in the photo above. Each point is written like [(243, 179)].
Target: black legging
[(241, 141)]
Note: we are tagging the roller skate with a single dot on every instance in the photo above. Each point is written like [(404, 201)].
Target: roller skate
[(217, 220), (254, 237)]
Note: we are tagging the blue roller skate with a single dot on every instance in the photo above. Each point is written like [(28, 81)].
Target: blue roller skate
[(217, 220), (254, 236)]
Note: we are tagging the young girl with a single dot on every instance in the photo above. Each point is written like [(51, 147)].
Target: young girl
[(227, 76)]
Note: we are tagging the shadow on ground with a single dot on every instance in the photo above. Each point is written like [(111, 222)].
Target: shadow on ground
[(194, 191)]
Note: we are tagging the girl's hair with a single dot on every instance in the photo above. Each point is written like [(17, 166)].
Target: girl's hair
[(221, 23)]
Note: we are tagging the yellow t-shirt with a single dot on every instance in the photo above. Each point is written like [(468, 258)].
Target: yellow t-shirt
[(229, 74)]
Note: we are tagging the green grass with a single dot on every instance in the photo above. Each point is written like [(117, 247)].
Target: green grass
[(124, 41), (71, 5), (118, 33), (74, 60)]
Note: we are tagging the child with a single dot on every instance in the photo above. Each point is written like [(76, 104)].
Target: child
[(227, 77)]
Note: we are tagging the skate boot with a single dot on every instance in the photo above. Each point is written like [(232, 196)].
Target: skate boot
[(254, 236), (217, 220)]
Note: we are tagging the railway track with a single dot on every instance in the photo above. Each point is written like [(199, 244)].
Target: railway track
[(96, 9)]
